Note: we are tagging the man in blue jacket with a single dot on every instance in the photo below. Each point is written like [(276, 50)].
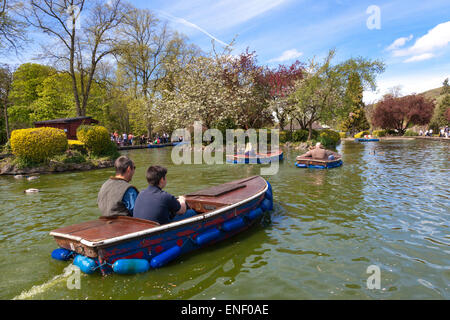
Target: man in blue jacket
[(155, 204)]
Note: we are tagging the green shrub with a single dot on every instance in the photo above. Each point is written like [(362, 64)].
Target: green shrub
[(410, 133), (379, 133), (329, 138), (361, 134), (392, 132), (342, 134), (285, 136), (96, 140), (35, 145), (300, 135), (70, 156), (7, 147)]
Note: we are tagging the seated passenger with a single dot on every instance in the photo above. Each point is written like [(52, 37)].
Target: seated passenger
[(117, 196), (155, 204), (321, 154), (249, 151)]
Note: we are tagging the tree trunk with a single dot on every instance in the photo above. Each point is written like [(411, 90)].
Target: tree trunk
[(6, 118), (309, 130)]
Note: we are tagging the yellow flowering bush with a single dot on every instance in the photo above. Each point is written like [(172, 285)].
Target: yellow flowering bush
[(342, 134), (361, 134), (77, 145), (35, 145), (96, 139)]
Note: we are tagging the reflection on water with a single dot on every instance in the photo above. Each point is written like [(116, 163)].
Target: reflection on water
[(388, 205)]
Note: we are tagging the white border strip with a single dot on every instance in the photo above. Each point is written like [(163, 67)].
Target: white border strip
[(160, 228)]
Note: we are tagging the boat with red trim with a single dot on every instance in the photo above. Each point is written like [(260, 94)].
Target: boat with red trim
[(259, 158), (129, 245)]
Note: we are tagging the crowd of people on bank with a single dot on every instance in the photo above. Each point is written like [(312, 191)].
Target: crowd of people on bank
[(129, 139), (444, 132)]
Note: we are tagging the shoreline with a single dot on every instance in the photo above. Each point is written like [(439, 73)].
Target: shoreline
[(404, 138), (7, 169)]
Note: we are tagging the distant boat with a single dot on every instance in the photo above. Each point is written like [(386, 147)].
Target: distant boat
[(307, 162), (257, 158), (129, 245), (160, 145), (366, 139)]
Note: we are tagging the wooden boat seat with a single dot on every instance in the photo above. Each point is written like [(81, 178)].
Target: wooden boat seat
[(213, 198), (217, 190)]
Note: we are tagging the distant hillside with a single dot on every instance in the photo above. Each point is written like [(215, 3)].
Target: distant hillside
[(432, 94)]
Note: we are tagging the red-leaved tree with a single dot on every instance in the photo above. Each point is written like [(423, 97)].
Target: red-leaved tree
[(243, 79), (280, 82), (401, 112)]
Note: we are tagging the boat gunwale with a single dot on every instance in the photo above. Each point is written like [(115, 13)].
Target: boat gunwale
[(256, 156), (165, 227)]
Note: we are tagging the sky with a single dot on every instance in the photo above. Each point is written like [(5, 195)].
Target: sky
[(411, 37)]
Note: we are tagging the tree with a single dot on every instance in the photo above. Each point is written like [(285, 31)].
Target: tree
[(320, 95), (145, 49), (356, 120), (5, 88), (281, 81), (12, 30), (440, 118), (83, 33), (399, 113), (199, 93), (248, 92), (27, 80)]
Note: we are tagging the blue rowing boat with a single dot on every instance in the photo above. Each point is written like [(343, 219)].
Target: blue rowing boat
[(127, 245), (258, 158), (306, 162), (366, 139)]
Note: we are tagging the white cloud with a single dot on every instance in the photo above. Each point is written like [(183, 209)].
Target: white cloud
[(190, 24), (223, 14), (411, 83), (400, 42), (287, 55), (436, 38), (420, 57)]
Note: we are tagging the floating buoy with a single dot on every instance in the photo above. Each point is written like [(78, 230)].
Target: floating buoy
[(233, 224), (165, 257), (62, 254), (255, 213), (31, 190), (86, 264), (266, 205), (207, 236), (130, 266)]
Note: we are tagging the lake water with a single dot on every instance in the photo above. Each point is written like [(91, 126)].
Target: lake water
[(388, 206)]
